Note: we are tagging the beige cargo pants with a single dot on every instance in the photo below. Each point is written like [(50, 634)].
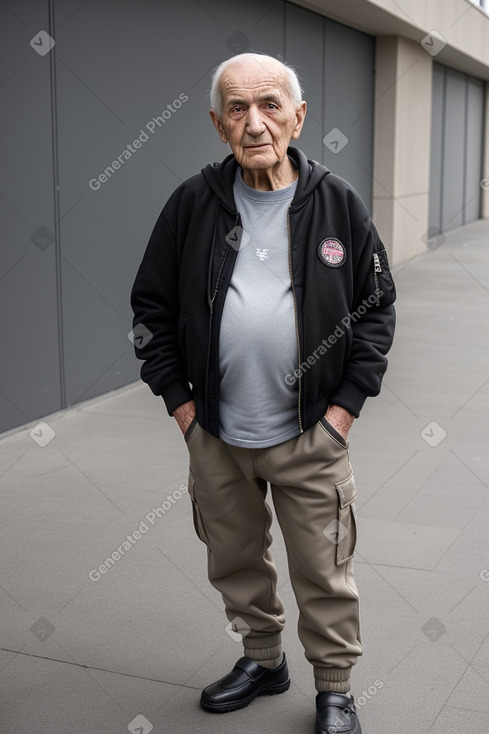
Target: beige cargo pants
[(313, 493)]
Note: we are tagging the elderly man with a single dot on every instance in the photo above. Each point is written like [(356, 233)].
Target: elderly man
[(265, 301)]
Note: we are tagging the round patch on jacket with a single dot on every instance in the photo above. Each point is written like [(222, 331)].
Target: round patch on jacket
[(332, 252)]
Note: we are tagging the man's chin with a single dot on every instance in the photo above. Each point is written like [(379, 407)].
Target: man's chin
[(258, 159)]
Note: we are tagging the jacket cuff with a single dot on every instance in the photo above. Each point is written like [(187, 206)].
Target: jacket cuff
[(176, 394), (350, 396)]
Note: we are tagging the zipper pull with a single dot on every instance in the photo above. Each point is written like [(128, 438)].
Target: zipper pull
[(377, 265)]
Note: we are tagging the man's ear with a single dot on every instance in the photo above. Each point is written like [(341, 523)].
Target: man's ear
[(219, 126), (300, 115)]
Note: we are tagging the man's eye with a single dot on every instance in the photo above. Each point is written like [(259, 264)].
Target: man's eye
[(237, 109), (272, 106)]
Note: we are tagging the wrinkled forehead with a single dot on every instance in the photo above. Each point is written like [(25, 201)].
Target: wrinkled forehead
[(253, 78)]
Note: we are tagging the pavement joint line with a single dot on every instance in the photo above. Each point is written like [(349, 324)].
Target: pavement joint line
[(91, 482), (469, 665), (14, 655), (13, 599), (469, 399), (384, 384), (442, 459), (468, 272), (468, 662), (97, 683), (462, 599), (184, 685), (166, 556), (471, 517), (95, 667), (389, 584), (13, 463), (388, 480), (403, 658), (472, 709), (70, 600)]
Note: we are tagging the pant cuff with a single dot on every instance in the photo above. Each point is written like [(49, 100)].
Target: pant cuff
[(263, 648), (332, 679)]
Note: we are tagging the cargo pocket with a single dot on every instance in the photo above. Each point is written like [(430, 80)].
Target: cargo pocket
[(347, 527), (197, 516)]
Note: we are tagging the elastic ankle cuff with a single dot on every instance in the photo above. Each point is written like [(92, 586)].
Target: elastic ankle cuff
[(336, 680), (263, 648)]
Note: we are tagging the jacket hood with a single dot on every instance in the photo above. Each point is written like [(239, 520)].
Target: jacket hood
[(220, 177)]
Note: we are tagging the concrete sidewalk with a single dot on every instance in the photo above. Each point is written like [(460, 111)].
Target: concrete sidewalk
[(86, 652)]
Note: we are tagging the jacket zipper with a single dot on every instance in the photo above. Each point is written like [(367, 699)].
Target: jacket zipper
[(377, 269), (299, 396), (211, 314)]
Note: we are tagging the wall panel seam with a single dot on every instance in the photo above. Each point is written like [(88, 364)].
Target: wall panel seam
[(56, 209)]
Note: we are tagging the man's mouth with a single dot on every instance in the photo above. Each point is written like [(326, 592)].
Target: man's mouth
[(257, 147)]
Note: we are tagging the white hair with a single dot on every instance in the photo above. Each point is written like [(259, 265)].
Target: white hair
[(294, 86)]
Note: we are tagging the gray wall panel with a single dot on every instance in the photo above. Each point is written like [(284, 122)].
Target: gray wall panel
[(456, 148), (304, 48), (30, 377), (349, 105), (436, 163), (474, 133), (453, 151)]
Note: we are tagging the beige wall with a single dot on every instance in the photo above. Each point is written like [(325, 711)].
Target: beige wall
[(402, 145)]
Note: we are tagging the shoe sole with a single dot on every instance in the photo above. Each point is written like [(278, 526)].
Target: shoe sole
[(358, 730), (230, 706)]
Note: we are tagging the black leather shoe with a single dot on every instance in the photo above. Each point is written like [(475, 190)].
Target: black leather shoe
[(336, 714), (245, 682)]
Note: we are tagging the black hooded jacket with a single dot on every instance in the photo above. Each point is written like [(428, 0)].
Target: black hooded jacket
[(341, 283)]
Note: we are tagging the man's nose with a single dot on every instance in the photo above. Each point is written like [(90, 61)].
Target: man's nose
[(254, 121)]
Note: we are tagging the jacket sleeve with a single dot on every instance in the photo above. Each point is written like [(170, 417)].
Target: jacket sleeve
[(155, 303), (371, 321)]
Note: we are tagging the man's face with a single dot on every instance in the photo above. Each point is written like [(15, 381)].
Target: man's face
[(258, 116)]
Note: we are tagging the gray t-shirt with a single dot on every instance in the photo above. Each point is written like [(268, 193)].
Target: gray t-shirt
[(257, 341)]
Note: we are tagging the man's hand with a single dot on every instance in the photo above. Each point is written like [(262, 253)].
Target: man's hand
[(340, 418), (184, 415)]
